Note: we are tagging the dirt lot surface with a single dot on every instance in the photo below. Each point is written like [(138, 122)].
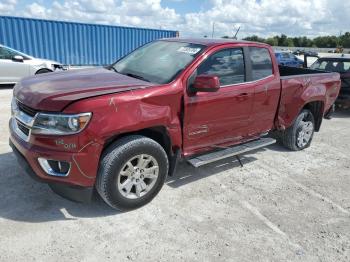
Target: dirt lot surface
[(281, 206)]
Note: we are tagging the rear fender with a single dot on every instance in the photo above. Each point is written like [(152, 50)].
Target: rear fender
[(296, 94)]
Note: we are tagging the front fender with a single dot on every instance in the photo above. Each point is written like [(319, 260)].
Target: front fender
[(132, 111)]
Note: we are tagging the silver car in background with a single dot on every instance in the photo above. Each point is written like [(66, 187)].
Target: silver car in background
[(14, 65)]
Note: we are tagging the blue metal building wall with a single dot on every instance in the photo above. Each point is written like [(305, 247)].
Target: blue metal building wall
[(74, 43)]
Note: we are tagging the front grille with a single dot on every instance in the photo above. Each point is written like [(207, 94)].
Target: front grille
[(29, 111), (23, 128)]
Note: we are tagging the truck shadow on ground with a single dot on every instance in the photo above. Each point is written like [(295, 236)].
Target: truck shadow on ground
[(341, 113), (23, 199), (186, 173)]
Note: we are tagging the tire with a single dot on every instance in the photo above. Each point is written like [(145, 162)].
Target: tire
[(330, 113), (43, 71), (121, 165), (293, 138)]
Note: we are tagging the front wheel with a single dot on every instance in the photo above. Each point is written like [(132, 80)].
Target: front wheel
[(132, 172), (300, 134)]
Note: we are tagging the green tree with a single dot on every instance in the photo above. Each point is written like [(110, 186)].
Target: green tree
[(272, 41), (303, 41), (255, 38), (290, 42), (345, 40), (326, 41)]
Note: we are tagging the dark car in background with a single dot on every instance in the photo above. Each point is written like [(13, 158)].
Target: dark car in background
[(288, 59), (298, 52), (303, 52), (340, 65)]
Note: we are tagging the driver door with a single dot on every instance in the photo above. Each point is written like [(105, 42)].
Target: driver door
[(11, 71), (222, 117)]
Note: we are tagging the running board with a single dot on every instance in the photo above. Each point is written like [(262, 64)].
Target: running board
[(230, 151)]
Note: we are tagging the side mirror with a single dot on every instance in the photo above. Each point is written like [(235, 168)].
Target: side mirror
[(18, 58), (206, 83)]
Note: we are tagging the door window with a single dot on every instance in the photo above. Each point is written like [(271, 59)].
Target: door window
[(261, 63), (7, 53), (227, 64)]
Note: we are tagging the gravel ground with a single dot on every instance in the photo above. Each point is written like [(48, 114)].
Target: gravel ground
[(281, 206)]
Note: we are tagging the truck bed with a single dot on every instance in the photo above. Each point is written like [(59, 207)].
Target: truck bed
[(288, 72)]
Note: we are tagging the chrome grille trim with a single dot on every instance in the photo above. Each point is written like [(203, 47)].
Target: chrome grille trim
[(27, 110), (18, 131), (21, 120)]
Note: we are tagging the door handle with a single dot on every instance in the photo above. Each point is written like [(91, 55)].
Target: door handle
[(242, 96)]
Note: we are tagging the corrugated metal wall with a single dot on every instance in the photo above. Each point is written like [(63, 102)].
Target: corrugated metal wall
[(74, 43)]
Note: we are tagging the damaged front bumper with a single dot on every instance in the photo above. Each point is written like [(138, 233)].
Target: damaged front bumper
[(78, 184), (71, 192)]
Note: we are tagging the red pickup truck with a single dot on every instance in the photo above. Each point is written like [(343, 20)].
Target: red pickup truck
[(123, 128)]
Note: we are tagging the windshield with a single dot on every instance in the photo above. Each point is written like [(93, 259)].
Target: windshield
[(158, 62), (339, 66)]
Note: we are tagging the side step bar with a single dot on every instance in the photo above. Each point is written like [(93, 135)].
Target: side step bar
[(230, 151)]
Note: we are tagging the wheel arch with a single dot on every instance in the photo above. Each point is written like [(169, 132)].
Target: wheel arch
[(43, 70), (157, 133), (317, 109)]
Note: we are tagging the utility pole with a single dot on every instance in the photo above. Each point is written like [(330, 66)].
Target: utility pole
[(212, 33)]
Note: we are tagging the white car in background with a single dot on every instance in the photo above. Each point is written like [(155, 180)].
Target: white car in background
[(14, 65)]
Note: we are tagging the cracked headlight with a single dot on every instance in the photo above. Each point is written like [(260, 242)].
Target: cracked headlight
[(60, 124)]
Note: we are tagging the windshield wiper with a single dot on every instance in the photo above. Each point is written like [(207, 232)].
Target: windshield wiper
[(137, 76), (112, 67), (129, 74)]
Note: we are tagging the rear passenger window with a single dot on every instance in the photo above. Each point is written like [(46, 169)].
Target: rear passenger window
[(227, 64), (261, 63)]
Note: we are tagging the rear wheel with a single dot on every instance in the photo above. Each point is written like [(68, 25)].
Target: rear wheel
[(300, 134), (132, 172)]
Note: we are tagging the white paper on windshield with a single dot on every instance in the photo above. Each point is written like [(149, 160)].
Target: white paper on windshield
[(189, 50)]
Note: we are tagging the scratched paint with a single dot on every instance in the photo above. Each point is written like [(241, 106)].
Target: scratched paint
[(112, 103)]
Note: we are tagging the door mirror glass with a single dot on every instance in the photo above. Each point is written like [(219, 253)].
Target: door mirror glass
[(17, 58), (206, 83)]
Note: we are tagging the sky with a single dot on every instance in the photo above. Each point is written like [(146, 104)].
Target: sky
[(195, 18)]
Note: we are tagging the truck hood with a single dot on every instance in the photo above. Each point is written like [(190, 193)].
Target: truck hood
[(54, 91)]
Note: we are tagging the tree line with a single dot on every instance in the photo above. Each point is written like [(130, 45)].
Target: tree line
[(342, 41)]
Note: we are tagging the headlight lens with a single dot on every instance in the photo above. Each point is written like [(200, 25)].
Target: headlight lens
[(14, 106), (60, 124)]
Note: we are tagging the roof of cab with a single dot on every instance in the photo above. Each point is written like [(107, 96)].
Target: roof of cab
[(211, 41)]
